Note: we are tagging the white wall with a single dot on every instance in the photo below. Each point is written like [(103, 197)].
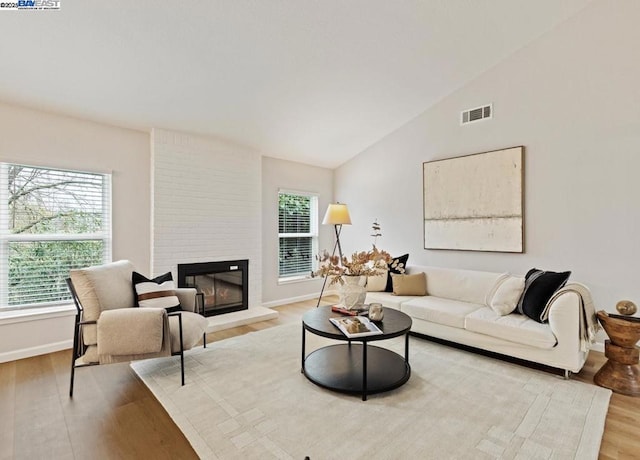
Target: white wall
[(281, 174), (43, 139), (206, 204), (572, 99)]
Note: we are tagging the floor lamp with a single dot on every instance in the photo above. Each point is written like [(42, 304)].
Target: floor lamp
[(337, 215)]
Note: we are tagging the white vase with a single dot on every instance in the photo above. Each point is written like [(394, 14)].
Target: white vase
[(353, 292)]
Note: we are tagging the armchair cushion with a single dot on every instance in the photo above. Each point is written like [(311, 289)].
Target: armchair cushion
[(100, 288), (158, 292)]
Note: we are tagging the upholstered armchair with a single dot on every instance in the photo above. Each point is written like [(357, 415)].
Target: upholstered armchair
[(109, 328)]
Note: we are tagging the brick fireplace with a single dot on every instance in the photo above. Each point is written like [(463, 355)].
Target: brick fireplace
[(207, 206)]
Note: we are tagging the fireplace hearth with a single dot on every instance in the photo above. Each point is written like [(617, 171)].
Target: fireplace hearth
[(222, 287)]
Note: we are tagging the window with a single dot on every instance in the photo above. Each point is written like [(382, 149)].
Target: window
[(297, 233), (50, 222)]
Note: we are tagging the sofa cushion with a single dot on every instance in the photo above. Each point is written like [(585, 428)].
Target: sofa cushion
[(377, 283), (415, 284), (539, 288), (506, 296), (465, 285), (513, 328), (397, 266), (158, 292), (438, 310), (387, 299)]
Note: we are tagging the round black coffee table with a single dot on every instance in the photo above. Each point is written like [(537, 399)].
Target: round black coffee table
[(356, 368)]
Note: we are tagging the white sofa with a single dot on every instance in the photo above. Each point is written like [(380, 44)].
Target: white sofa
[(454, 310)]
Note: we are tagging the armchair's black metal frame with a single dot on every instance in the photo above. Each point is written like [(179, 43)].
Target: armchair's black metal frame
[(79, 347)]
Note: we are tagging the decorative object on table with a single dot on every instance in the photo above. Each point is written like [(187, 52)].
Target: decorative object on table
[(337, 215), (375, 227), (353, 292), (376, 283), (352, 312), (626, 307), (486, 214), (376, 312), (621, 372), (351, 273)]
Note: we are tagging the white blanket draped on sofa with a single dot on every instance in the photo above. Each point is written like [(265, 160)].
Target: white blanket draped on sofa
[(588, 320)]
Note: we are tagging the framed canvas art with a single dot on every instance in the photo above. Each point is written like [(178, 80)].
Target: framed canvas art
[(475, 202)]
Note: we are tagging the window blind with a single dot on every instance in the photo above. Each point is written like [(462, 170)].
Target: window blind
[(298, 233)]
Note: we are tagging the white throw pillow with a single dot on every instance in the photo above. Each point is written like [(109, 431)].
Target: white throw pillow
[(501, 279), (505, 300), (377, 283)]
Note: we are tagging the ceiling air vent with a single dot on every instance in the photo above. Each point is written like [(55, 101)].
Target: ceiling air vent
[(477, 114)]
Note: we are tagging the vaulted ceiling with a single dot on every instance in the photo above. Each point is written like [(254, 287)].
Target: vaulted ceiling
[(315, 81)]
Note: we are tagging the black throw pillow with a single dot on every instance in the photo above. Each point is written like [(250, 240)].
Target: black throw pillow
[(397, 266), (158, 292), (539, 287)]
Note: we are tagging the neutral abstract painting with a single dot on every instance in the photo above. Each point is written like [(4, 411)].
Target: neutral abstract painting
[(475, 202)]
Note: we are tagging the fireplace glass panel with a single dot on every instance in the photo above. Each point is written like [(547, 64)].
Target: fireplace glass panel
[(219, 289), (221, 286)]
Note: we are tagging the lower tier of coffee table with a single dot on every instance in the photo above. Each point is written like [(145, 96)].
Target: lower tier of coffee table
[(340, 368)]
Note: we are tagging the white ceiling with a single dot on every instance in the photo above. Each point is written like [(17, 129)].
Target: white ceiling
[(315, 81)]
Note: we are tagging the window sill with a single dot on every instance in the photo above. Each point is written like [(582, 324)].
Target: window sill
[(36, 314), (295, 279)]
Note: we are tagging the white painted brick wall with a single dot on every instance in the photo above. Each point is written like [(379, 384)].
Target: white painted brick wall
[(206, 204)]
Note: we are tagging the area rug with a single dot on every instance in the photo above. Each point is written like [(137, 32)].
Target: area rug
[(245, 398)]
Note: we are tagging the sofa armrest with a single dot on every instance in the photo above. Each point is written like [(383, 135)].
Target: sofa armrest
[(564, 319), (187, 298)]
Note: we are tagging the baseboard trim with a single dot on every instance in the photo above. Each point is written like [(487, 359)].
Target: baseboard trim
[(277, 303), (14, 355), (240, 318), (598, 346)]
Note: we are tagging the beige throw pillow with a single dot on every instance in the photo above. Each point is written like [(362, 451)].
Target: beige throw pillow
[(505, 299), (415, 284), (377, 283)]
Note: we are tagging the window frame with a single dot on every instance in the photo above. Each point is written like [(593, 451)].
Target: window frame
[(6, 237), (313, 234)]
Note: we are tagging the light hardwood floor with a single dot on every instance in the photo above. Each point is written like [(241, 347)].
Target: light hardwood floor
[(113, 415)]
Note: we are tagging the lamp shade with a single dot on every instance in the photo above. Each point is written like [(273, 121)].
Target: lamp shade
[(337, 214)]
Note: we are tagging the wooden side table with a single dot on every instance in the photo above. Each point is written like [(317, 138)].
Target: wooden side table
[(621, 372)]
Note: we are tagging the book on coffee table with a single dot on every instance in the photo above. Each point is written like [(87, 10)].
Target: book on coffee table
[(355, 326)]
